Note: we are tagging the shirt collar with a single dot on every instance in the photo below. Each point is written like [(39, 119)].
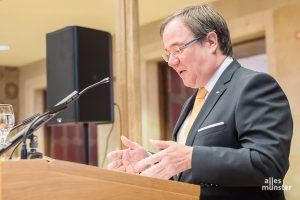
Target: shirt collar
[(211, 83)]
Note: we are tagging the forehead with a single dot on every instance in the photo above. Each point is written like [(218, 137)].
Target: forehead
[(176, 32)]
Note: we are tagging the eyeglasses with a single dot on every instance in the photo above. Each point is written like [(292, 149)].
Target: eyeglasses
[(176, 50)]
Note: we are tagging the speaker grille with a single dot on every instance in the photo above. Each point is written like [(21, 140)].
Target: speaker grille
[(76, 58)]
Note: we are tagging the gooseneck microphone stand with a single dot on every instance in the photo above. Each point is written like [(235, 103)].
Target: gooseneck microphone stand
[(38, 121)]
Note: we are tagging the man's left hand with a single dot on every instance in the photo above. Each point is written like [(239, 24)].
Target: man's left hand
[(171, 160)]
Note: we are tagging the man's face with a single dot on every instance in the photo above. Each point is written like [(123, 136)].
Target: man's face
[(197, 62)]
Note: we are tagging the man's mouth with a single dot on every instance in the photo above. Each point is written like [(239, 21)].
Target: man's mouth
[(180, 72)]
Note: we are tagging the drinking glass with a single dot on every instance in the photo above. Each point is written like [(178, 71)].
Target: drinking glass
[(7, 121)]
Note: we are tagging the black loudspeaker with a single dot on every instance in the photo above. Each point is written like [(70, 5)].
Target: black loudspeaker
[(76, 58)]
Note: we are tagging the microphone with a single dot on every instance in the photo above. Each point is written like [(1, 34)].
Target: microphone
[(25, 121), (61, 105), (64, 103), (38, 121)]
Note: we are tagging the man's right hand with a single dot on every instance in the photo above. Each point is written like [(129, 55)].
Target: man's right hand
[(126, 160)]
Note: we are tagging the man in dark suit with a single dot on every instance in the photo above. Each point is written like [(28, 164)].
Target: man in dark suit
[(233, 133)]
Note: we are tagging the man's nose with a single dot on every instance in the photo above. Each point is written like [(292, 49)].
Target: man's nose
[(173, 61)]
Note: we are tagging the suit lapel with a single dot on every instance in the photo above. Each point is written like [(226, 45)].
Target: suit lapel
[(213, 97), (185, 110)]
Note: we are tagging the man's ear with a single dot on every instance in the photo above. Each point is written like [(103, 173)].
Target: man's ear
[(212, 40)]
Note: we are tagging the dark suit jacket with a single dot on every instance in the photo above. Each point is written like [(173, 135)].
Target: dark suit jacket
[(240, 137)]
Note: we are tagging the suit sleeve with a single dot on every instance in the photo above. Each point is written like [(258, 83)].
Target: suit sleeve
[(263, 122)]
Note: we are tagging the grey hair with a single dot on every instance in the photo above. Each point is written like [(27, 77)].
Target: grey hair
[(201, 20)]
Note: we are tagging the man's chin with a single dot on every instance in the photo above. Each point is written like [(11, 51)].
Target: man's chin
[(189, 84)]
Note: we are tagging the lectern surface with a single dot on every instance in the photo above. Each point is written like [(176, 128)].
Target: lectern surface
[(54, 179)]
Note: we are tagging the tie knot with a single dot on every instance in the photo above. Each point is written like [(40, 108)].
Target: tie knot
[(201, 93)]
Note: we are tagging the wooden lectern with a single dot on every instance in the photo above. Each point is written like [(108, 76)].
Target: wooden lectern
[(53, 179)]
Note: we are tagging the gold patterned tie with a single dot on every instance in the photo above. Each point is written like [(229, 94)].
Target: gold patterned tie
[(199, 100)]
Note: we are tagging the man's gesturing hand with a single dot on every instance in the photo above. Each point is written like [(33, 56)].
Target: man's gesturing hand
[(125, 160), (173, 159)]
